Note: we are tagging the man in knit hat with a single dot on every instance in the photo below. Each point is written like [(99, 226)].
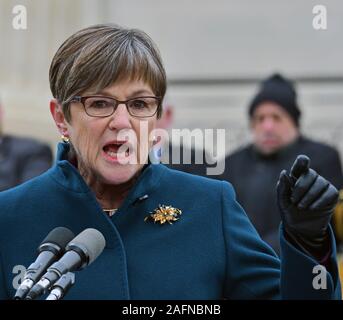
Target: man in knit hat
[(277, 140)]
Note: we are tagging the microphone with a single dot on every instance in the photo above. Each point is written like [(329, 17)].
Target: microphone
[(61, 286), (50, 250), (80, 252)]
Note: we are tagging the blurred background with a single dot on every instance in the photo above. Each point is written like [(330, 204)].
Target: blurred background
[(215, 53)]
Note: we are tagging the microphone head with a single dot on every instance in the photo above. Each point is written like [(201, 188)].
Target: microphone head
[(90, 241), (59, 237)]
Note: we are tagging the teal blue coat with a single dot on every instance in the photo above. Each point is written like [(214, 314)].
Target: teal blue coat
[(211, 252)]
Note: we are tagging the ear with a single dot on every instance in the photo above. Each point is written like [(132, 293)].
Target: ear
[(251, 124), (169, 114), (58, 116), (167, 117)]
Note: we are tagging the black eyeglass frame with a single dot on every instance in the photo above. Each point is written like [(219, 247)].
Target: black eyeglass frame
[(82, 100)]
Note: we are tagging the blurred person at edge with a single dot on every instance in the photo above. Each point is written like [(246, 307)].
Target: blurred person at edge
[(169, 234), (254, 170), (177, 155), (21, 158)]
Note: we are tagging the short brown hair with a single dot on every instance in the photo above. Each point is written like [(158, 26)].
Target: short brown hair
[(97, 56)]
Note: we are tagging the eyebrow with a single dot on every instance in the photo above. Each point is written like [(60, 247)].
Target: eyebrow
[(135, 93)]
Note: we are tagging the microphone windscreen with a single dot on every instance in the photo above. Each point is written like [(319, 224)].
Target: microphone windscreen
[(59, 236), (92, 240)]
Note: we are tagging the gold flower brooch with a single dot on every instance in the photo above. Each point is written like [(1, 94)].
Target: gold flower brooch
[(163, 214)]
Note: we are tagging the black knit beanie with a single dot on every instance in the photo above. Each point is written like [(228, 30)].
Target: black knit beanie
[(281, 91)]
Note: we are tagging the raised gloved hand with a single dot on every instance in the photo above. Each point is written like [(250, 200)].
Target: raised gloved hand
[(306, 202)]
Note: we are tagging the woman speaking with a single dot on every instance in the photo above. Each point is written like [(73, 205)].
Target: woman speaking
[(169, 235)]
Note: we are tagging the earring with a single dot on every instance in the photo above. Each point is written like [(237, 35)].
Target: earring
[(154, 140), (65, 139)]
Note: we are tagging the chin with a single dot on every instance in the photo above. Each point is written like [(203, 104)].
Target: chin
[(269, 150), (119, 175)]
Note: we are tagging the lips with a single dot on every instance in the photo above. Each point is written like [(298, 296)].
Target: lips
[(270, 141)]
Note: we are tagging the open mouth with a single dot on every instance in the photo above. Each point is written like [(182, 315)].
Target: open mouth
[(117, 149)]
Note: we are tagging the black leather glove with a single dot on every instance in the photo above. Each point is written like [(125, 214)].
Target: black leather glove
[(306, 202)]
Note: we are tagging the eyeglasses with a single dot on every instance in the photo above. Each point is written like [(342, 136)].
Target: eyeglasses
[(100, 106)]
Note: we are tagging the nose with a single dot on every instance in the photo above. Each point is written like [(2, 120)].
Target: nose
[(268, 124), (120, 119)]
